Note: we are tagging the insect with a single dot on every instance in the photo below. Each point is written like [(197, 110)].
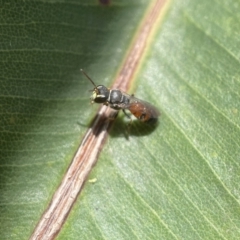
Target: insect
[(119, 100)]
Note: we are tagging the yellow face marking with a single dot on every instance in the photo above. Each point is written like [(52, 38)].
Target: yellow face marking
[(94, 95)]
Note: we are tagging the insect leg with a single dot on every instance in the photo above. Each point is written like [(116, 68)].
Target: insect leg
[(129, 124), (126, 114)]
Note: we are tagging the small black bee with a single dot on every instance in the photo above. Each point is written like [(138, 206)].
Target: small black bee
[(118, 100)]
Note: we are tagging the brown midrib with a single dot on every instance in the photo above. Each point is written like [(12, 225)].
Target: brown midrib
[(63, 199)]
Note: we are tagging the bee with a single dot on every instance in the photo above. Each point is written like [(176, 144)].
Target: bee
[(119, 100)]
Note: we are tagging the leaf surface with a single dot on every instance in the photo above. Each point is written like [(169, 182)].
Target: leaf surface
[(179, 180)]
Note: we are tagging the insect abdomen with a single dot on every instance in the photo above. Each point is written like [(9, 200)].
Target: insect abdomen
[(144, 111)]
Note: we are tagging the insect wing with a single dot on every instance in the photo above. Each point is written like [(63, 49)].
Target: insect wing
[(142, 110)]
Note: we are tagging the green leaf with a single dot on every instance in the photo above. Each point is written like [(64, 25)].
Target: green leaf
[(177, 181)]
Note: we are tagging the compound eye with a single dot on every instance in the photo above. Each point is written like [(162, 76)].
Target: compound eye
[(100, 94)]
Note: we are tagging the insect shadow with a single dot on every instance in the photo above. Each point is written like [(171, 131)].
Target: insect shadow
[(126, 128), (123, 127)]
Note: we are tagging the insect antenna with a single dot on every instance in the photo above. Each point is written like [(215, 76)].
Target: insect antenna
[(81, 70)]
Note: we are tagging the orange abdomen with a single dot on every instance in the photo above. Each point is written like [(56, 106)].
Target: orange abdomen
[(144, 111)]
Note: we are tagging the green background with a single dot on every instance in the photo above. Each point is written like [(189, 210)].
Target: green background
[(177, 181)]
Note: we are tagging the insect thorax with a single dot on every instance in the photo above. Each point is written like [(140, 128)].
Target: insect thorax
[(117, 99)]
